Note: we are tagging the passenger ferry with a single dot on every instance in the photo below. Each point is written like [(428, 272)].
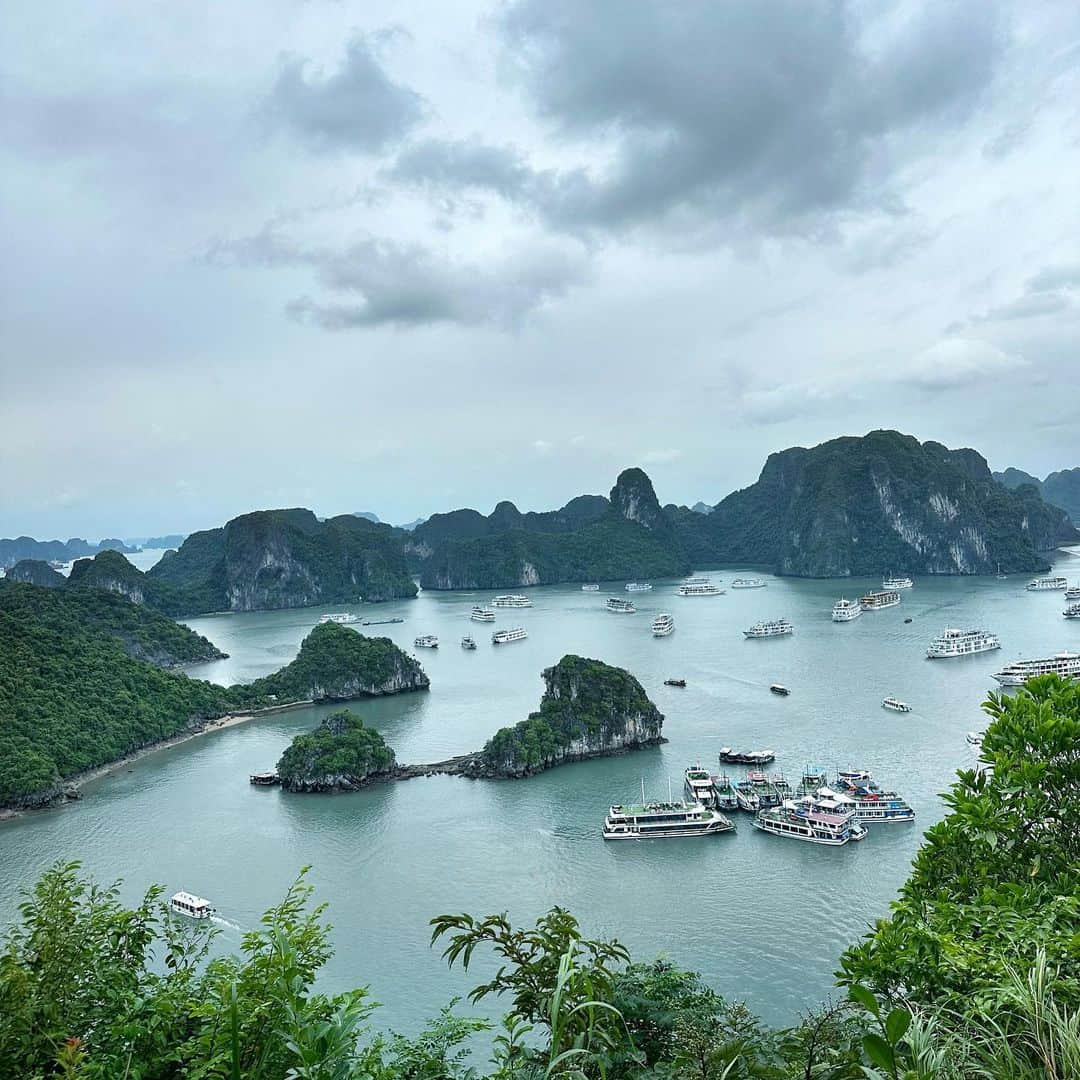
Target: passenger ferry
[(846, 610), (511, 601), (779, 689), (699, 785), (869, 800), (1072, 611), (342, 618), (637, 586), (756, 791), (892, 584), (724, 794), (482, 614), (426, 641), (468, 643), (815, 820), (1046, 584), (194, 907), (872, 601), (746, 757), (1066, 664), (748, 583), (954, 642), (503, 637), (771, 628), (895, 705), (699, 587), (659, 820), (1072, 592), (663, 625), (590, 588), (620, 607)]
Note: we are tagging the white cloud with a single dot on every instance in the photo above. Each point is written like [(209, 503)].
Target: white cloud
[(542, 447), (956, 361), (661, 457)]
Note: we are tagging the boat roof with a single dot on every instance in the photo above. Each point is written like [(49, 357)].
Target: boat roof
[(190, 899)]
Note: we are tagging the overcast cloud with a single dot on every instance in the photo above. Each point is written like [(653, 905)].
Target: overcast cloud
[(405, 257)]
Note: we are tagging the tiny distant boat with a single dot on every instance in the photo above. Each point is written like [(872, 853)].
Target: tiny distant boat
[(504, 637), (468, 643), (674, 682), (746, 757), (779, 688), (974, 738), (264, 779), (426, 641), (1046, 584), (895, 705), (590, 588), (815, 820), (908, 619), (1072, 611), (620, 607), (511, 600), (845, 610), (1072, 592), (194, 907), (482, 614), (342, 618), (699, 587), (892, 584), (637, 586), (662, 625), (874, 601), (770, 628), (380, 622), (1066, 664), (748, 583), (953, 642)]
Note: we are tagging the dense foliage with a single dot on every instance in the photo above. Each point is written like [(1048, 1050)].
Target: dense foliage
[(36, 572), (337, 663), (340, 753), (585, 702), (1060, 488), (966, 981)]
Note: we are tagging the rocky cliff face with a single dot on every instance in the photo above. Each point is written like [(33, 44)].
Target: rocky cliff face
[(1061, 489), (36, 572), (634, 499), (109, 570)]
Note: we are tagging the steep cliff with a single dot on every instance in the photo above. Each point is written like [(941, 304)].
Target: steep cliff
[(338, 664), (864, 506), (283, 559), (589, 709), (1061, 488), (109, 570), (36, 572), (339, 755)]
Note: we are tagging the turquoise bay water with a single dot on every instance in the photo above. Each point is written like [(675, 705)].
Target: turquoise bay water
[(762, 918)]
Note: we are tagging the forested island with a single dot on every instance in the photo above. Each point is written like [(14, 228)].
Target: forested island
[(85, 680), (339, 755), (974, 975)]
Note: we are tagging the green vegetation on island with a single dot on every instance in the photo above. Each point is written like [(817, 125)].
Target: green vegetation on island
[(589, 709), (976, 976), (1061, 489), (339, 755), (26, 547), (36, 572), (82, 682)]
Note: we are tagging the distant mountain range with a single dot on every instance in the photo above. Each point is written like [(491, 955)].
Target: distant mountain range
[(1060, 488), (26, 547)]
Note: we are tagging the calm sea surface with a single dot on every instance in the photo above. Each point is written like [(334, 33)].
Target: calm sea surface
[(763, 918)]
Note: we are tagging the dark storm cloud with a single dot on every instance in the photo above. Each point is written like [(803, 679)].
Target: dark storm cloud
[(390, 284), (357, 107), (773, 112)]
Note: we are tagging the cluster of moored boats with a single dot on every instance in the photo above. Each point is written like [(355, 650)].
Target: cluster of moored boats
[(819, 810)]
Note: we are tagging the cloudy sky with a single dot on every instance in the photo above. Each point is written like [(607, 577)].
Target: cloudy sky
[(410, 256)]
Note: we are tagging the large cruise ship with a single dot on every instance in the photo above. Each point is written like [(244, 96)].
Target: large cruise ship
[(482, 614), (813, 819), (748, 583), (875, 600), (892, 584), (426, 641), (699, 587), (869, 799), (342, 618), (1046, 584), (1066, 664), (502, 637), (846, 610), (511, 601), (771, 628), (663, 625), (637, 586), (659, 820), (953, 642), (620, 606)]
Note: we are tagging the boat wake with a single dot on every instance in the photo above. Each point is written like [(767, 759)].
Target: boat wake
[(218, 920)]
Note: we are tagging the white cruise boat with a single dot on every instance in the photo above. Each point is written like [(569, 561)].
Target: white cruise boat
[(514, 600), (953, 642), (637, 586), (660, 820), (1072, 611), (699, 587), (893, 584), (426, 641), (757, 792), (194, 907), (873, 600), (590, 588), (1072, 592), (482, 614), (699, 785), (748, 583), (342, 618), (895, 705), (845, 610), (1066, 664), (869, 800), (1046, 584), (663, 625), (503, 637), (468, 643), (813, 819), (620, 606), (770, 628)]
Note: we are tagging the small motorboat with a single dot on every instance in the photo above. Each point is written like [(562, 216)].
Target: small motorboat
[(468, 643), (908, 619), (778, 688), (895, 705), (674, 682)]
